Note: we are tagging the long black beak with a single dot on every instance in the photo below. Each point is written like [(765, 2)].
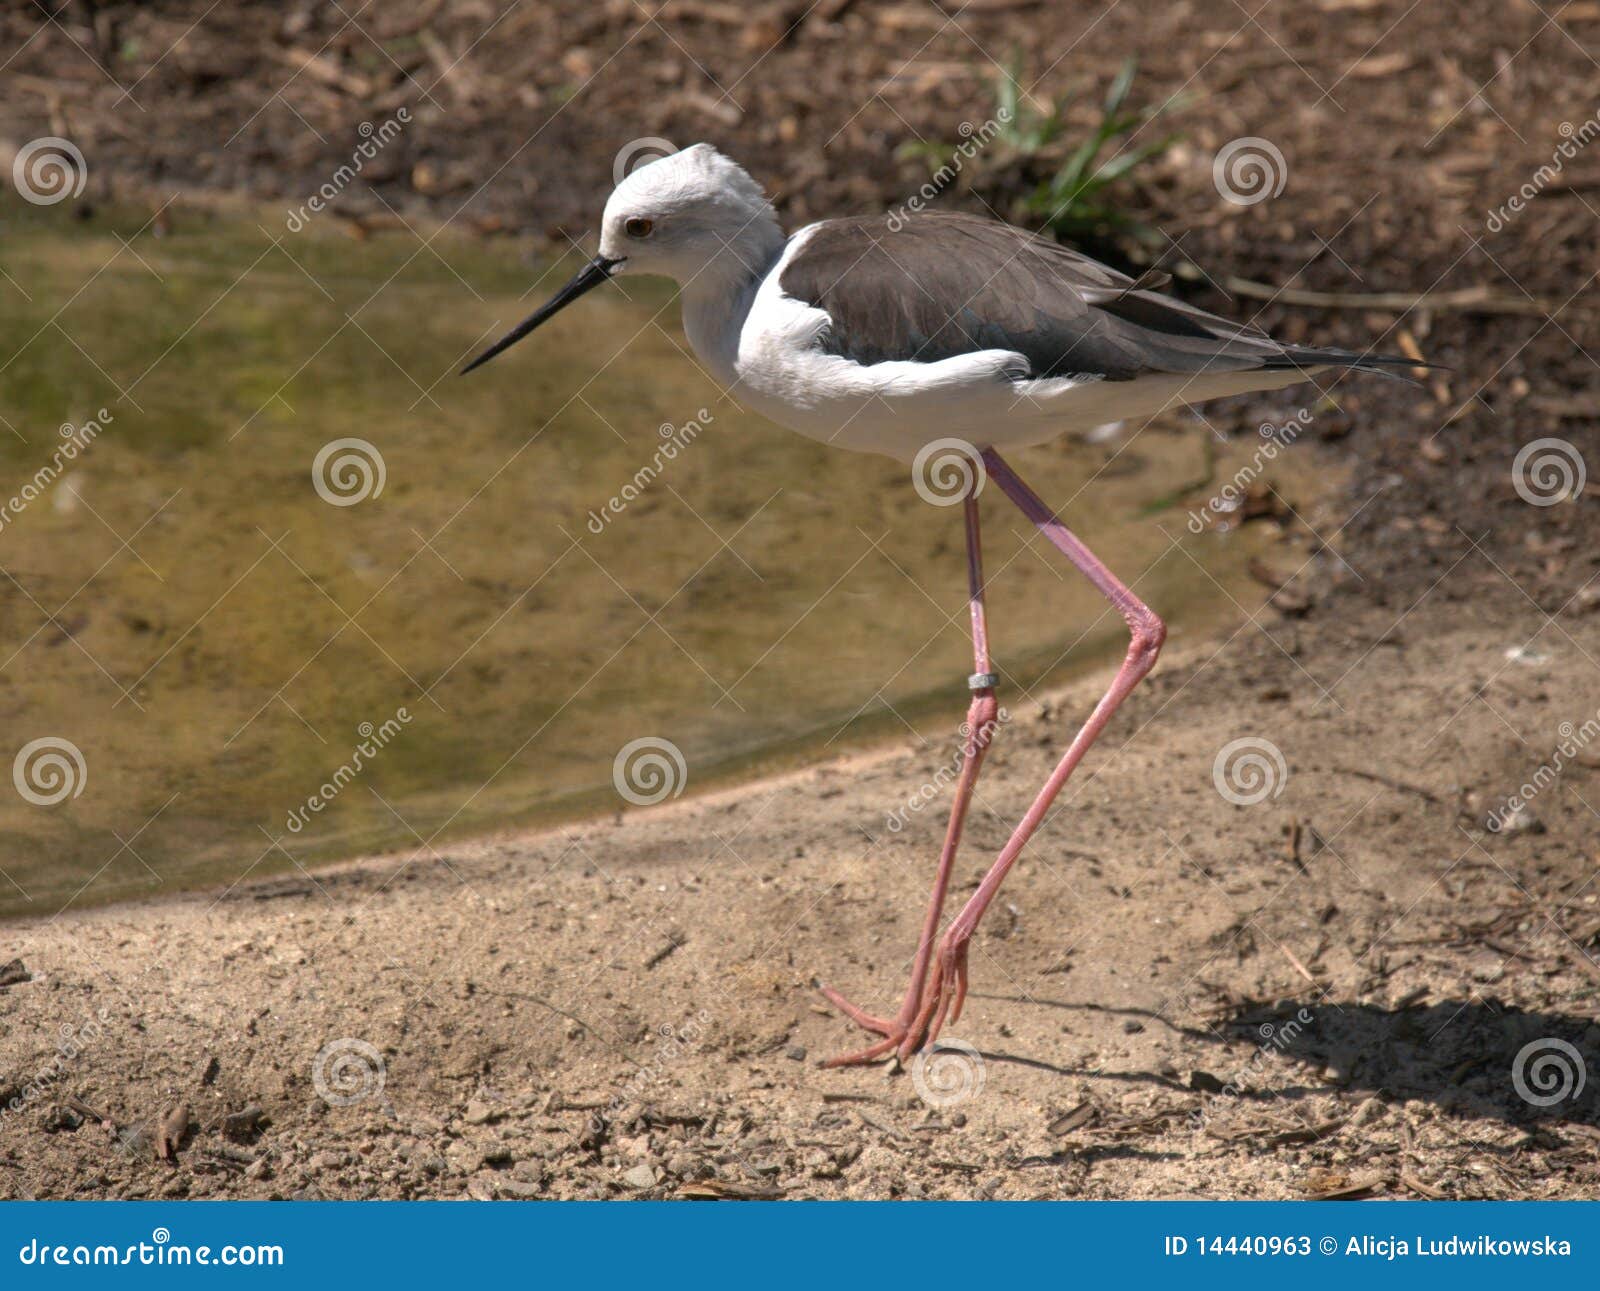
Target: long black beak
[(589, 277)]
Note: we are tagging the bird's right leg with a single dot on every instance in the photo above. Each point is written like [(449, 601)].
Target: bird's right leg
[(982, 714)]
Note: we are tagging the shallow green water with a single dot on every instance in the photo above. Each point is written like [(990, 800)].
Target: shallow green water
[(182, 605)]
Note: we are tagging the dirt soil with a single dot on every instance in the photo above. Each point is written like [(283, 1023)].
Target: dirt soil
[(1346, 989), (1322, 993)]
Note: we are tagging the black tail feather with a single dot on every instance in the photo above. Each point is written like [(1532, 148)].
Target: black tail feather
[(1394, 366)]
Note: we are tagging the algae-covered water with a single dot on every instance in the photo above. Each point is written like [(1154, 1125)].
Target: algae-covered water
[(230, 643)]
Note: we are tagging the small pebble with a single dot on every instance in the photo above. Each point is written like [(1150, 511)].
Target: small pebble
[(641, 1176), (1519, 820)]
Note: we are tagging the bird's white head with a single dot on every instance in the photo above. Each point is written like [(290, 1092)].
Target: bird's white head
[(694, 216), (689, 214)]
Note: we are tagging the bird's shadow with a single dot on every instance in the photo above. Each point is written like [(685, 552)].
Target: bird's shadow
[(1470, 1058)]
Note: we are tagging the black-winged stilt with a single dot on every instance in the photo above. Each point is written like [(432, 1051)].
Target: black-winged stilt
[(890, 335)]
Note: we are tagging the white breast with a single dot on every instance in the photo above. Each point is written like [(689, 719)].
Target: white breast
[(892, 408)]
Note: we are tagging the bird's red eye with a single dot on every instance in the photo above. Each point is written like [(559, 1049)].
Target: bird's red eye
[(639, 227)]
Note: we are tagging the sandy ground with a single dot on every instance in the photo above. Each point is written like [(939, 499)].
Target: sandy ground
[(1325, 993)]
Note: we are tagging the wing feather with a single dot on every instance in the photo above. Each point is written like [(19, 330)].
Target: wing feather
[(937, 286)]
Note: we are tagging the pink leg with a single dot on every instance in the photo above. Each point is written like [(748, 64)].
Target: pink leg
[(898, 1031), (947, 991)]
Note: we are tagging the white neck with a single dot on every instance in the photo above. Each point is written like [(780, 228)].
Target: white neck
[(717, 299)]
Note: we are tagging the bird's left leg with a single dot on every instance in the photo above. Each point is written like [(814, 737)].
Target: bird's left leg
[(947, 989), (899, 1032)]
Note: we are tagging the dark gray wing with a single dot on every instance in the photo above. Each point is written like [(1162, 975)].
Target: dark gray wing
[(941, 285)]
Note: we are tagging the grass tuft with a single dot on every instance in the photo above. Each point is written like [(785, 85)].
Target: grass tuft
[(1023, 164)]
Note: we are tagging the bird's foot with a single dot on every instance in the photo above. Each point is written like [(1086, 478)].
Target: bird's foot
[(892, 1029), (947, 988), (921, 1016)]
